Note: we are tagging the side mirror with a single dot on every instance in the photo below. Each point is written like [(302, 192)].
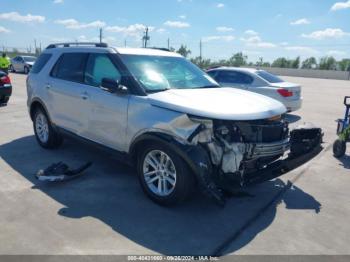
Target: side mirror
[(112, 86)]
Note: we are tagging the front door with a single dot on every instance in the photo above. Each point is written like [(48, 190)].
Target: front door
[(107, 123)]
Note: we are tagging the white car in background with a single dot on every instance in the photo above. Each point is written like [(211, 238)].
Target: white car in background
[(22, 64), (259, 81)]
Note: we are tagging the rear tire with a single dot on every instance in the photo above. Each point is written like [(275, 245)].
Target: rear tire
[(175, 181), (4, 100), (26, 70), (339, 148), (45, 134)]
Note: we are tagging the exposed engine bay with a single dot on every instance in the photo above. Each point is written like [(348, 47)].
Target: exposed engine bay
[(237, 147)]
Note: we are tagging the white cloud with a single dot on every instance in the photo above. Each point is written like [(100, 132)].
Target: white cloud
[(58, 1), (161, 30), (226, 38), (251, 52), (134, 30), (224, 29), (340, 5), (302, 21), (177, 24), (250, 32), (256, 41), (4, 30), (16, 17), (182, 17), (74, 24), (220, 5), (301, 49), (327, 33), (336, 53)]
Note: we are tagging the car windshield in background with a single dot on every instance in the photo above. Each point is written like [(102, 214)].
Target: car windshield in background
[(269, 77), (158, 73), (29, 58)]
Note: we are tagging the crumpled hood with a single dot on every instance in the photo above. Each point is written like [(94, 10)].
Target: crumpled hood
[(219, 103)]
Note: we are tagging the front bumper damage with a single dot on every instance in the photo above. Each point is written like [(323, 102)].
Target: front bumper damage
[(229, 156)]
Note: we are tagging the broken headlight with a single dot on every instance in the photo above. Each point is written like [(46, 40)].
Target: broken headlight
[(205, 121)]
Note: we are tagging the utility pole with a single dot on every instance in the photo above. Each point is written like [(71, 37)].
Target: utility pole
[(145, 38), (168, 43), (200, 50), (125, 43), (35, 47), (101, 35)]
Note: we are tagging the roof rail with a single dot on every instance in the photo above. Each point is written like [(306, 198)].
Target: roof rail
[(160, 48), (76, 44)]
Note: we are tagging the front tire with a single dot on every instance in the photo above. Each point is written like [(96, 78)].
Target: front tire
[(164, 176), (11, 69), (45, 134), (339, 148)]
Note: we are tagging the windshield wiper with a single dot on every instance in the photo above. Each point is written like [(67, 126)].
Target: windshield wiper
[(210, 86), (157, 90)]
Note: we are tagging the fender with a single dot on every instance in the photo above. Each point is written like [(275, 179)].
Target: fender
[(38, 100), (195, 156)]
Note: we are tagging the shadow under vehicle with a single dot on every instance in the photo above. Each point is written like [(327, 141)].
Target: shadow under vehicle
[(109, 192)]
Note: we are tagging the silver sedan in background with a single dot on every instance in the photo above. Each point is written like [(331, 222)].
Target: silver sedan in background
[(22, 64), (259, 81)]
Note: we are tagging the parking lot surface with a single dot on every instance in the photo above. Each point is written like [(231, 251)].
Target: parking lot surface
[(105, 212)]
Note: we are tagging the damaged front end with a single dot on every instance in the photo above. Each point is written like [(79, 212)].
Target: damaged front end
[(240, 150)]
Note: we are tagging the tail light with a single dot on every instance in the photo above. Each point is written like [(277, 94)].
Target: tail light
[(284, 92), (5, 80)]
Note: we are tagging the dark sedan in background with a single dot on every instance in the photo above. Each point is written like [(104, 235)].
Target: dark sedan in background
[(5, 88)]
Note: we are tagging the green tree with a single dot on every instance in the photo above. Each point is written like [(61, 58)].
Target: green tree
[(184, 51), (281, 62), (309, 63), (202, 63), (344, 65), (328, 63), (238, 59), (295, 63)]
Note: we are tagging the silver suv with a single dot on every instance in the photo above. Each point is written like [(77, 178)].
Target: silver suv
[(159, 111)]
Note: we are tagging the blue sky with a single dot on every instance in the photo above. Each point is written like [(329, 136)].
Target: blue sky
[(267, 29)]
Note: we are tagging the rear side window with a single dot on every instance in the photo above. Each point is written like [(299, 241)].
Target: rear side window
[(100, 66), (212, 74), (235, 77), (40, 63), (269, 77), (70, 67)]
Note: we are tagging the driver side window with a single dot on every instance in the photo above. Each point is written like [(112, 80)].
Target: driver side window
[(100, 66)]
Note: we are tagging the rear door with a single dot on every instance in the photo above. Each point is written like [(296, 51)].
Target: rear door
[(229, 78), (66, 93), (107, 122)]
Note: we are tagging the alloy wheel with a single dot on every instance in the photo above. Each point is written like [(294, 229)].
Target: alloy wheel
[(159, 173)]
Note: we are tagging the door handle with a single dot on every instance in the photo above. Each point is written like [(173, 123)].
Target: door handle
[(48, 86)]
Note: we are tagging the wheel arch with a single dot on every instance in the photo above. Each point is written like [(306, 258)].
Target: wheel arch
[(194, 156), (38, 103)]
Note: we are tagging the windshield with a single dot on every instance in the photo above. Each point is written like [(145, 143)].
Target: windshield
[(159, 73), (29, 58), (269, 77)]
